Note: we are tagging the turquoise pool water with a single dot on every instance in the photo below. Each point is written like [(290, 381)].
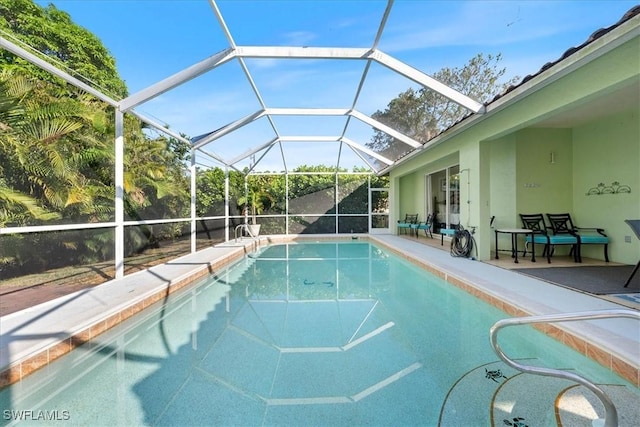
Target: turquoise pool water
[(296, 334)]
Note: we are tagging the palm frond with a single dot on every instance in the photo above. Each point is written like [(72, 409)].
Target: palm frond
[(14, 202), (51, 130)]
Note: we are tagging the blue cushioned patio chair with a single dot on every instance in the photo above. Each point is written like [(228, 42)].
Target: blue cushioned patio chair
[(448, 232), (427, 226), (562, 224), (543, 235), (409, 219)]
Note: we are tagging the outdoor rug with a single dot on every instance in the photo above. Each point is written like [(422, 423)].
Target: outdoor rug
[(599, 280)]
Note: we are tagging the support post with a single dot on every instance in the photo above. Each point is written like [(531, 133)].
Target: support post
[(119, 201), (194, 233), (226, 204)]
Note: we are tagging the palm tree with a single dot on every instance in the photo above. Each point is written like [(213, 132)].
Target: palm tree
[(16, 207), (57, 161), (255, 202)]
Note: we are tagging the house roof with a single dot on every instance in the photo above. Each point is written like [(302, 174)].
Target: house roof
[(596, 35), (572, 50)]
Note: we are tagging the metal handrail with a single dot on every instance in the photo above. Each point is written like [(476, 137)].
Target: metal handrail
[(611, 414), (246, 228), (238, 227)]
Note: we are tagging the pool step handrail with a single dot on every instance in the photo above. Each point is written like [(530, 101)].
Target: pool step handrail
[(611, 414), (243, 227)]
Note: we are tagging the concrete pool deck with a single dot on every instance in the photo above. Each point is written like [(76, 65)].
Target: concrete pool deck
[(34, 337)]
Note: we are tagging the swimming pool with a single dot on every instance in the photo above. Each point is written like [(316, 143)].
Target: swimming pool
[(301, 334)]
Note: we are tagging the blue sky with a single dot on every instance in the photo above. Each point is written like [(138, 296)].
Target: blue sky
[(152, 40)]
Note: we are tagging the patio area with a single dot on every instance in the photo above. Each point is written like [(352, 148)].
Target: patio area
[(592, 276)]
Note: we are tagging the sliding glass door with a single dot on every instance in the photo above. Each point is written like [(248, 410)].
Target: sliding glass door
[(443, 197)]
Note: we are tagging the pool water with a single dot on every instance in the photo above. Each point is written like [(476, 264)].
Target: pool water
[(296, 334)]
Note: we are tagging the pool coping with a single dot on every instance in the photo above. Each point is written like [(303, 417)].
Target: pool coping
[(32, 338)]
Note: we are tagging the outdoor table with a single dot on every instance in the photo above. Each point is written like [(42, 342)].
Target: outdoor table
[(514, 241)]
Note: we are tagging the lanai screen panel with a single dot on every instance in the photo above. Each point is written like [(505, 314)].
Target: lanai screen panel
[(236, 144), (57, 152), (312, 205), (293, 23), (353, 194), (51, 257), (312, 194), (156, 178), (371, 142), (309, 154), (310, 125), (206, 102), (306, 83), (353, 203), (56, 170), (271, 194), (269, 159), (350, 160), (210, 203)]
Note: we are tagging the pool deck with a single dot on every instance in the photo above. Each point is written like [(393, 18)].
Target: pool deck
[(33, 337)]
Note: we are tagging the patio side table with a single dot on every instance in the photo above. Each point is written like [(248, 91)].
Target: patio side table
[(514, 232)]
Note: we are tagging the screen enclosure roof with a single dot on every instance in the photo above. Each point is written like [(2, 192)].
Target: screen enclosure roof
[(276, 132), (274, 85)]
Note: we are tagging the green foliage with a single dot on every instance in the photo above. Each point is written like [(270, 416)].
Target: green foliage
[(53, 33), (153, 172), (210, 192), (380, 181), (255, 202), (311, 192), (424, 113), (57, 163), (17, 208), (210, 196)]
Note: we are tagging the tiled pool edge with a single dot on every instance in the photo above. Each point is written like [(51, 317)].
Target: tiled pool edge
[(21, 368), (581, 345)]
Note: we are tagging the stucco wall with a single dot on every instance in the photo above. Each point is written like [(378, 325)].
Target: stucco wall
[(607, 151), (409, 195), (544, 179), (503, 181)]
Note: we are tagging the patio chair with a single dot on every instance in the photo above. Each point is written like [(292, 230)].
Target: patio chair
[(562, 224), (448, 232), (635, 226), (543, 235), (427, 226), (405, 225)]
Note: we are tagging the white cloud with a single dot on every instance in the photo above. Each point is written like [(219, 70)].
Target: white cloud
[(299, 38)]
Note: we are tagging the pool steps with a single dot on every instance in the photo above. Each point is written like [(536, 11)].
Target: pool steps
[(496, 394), (611, 416)]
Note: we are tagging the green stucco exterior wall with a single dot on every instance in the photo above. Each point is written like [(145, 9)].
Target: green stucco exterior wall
[(607, 151), (519, 160)]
